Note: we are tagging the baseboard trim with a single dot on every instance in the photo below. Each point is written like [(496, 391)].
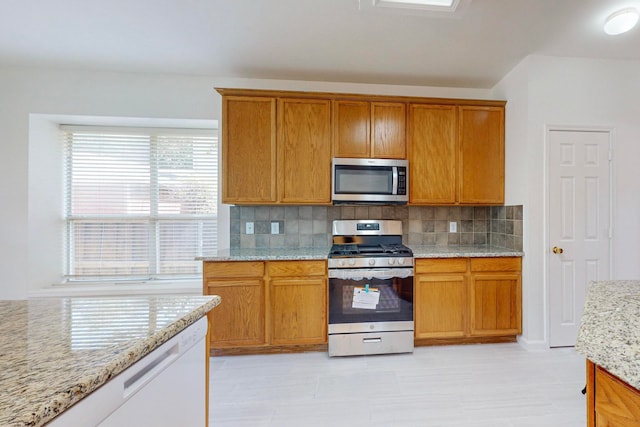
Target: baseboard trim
[(271, 349), (420, 342), (531, 345)]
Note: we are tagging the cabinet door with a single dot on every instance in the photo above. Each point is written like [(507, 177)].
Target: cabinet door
[(481, 155), (440, 306), (248, 149), (616, 402), (388, 132), (496, 304), (441, 298), (496, 296), (351, 129), (298, 310), (304, 156), (432, 154), (239, 320)]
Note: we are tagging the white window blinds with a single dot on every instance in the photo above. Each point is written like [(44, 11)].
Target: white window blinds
[(140, 203)]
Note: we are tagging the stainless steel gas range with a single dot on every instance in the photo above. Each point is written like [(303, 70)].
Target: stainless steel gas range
[(370, 289)]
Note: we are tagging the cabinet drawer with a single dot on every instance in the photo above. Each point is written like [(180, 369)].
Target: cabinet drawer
[(296, 268), (214, 269), (441, 265), (496, 264), (214, 287)]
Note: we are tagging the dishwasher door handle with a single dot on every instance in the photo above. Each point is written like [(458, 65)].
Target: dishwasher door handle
[(150, 370)]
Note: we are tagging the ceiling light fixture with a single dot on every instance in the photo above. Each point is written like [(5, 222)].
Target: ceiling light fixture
[(434, 5), (437, 3), (621, 21)]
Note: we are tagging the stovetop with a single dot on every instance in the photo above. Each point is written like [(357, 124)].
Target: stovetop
[(377, 250), (368, 244)]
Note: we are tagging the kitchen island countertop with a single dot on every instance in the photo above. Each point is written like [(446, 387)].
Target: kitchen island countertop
[(54, 352), (609, 333), (322, 253)]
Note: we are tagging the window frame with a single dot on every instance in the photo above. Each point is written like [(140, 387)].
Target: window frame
[(154, 219)]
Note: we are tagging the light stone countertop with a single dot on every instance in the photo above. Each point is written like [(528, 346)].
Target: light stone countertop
[(267, 254), (609, 333), (476, 251), (322, 253), (55, 351)]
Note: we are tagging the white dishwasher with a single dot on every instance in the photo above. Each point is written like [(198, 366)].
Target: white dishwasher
[(166, 388)]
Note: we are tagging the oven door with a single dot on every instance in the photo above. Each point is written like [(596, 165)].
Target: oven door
[(362, 296)]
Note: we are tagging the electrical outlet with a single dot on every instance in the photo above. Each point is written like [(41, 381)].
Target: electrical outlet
[(249, 228), (453, 227), (275, 228)]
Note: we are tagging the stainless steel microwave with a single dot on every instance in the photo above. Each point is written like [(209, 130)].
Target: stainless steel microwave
[(375, 181)]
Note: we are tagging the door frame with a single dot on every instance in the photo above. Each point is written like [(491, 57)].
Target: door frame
[(547, 208)]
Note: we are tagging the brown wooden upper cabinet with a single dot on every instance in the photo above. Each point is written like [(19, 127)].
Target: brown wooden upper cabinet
[(276, 150), (248, 149), (277, 145), (456, 154), (363, 129), (433, 154), (304, 151), (481, 154)]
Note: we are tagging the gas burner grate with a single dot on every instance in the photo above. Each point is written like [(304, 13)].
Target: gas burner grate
[(395, 249), (348, 249)]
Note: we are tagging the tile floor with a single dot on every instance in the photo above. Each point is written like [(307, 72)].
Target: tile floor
[(491, 385)]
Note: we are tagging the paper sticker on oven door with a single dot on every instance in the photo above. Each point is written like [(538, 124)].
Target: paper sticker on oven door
[(367, 298)]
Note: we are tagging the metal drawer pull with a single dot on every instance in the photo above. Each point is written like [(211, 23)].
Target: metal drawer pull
[(371, 340)]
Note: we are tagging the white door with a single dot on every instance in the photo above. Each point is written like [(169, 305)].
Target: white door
[(579, 225)]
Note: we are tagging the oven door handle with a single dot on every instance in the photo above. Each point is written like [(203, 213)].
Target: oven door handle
[(361, 274)]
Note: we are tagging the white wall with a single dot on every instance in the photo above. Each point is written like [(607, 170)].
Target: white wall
[(570, 92), (26, 93), (38, 98), (519, 173)]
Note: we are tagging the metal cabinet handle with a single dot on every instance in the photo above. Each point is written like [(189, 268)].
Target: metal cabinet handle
[(557, 250)]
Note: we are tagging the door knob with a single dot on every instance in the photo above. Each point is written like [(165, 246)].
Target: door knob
[(557, 250)]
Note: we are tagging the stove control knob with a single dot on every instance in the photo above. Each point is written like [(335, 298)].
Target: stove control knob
[(352, 261), (392, 261), (341, 263), (372, 261), (400, 261)]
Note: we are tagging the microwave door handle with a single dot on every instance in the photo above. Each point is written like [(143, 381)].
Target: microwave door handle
[(394, 180)]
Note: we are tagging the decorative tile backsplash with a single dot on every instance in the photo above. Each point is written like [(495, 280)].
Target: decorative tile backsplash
[(310, 226)]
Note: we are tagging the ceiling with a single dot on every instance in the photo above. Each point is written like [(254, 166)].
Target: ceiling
[(322, 40)]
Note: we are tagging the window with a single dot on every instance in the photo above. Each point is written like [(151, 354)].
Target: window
[(140, 203)]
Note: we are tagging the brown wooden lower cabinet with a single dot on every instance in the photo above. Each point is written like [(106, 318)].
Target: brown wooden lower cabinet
[(440, 298), (267, 306), (282, 305), (241, 286), (298, 311), (460, 300), (496, 296), (610, 401)]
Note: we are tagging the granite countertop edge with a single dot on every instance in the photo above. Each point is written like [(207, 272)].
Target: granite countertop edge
[(609, 332), (419, 251), (65, 399)]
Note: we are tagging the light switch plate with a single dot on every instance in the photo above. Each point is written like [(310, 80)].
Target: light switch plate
[(275, 228), (453, 227), (249, 228)]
